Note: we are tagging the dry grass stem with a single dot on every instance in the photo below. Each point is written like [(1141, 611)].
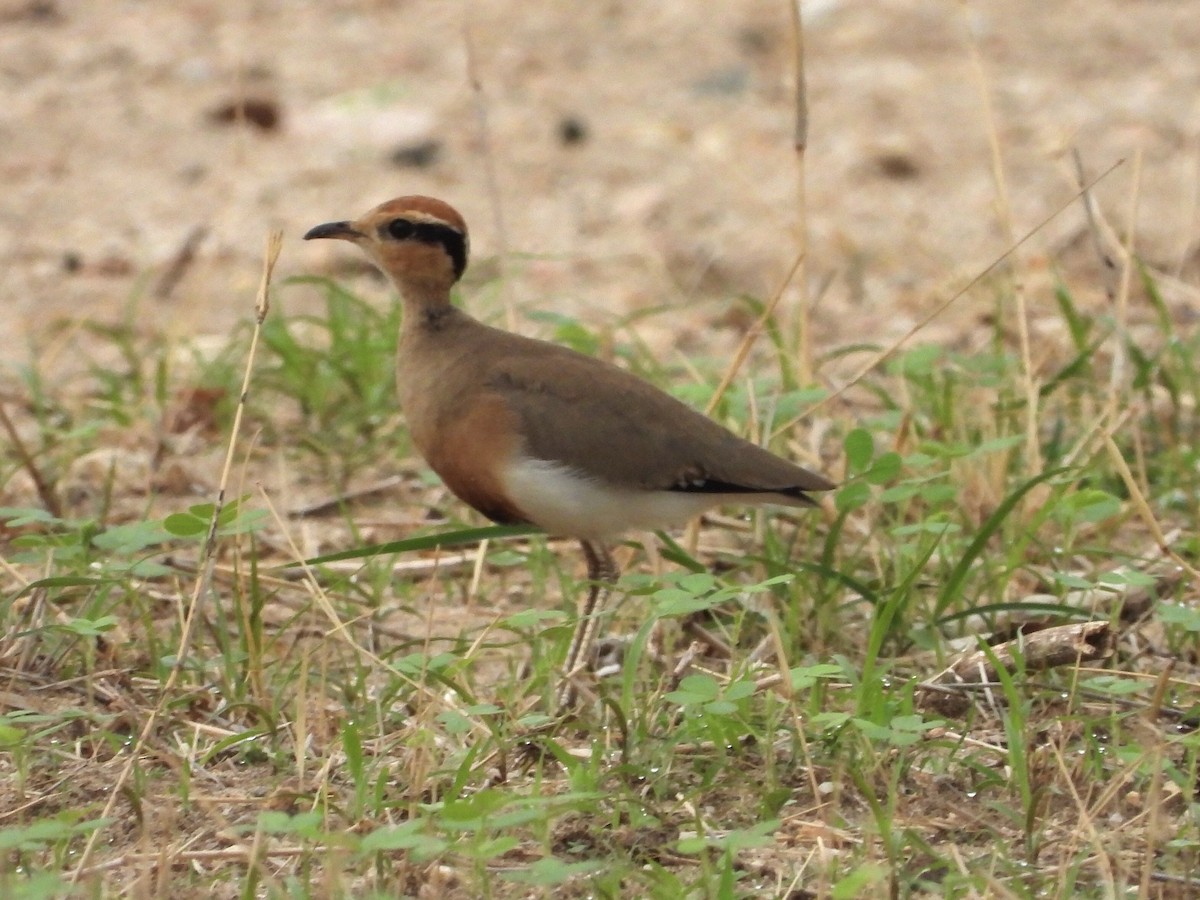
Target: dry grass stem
[(261, 306)]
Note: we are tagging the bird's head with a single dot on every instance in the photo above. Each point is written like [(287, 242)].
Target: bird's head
[(419, 242)]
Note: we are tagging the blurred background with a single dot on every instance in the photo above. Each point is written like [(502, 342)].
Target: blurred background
[(610, 157)]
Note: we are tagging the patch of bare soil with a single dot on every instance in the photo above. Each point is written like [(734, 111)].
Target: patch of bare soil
[(620, 157), (614, 157)]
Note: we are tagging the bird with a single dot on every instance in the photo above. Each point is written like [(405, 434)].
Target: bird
[(526, 431)]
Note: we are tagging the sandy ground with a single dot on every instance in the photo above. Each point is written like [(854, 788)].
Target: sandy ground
[(616, 157), (640, 154)]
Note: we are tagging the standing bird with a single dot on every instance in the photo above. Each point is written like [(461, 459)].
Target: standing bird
[(528, 432)]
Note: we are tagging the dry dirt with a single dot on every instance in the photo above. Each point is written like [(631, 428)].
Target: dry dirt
[(616, 157), (641, 154)]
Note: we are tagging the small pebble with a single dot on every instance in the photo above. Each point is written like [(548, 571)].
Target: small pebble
[(263, 114), (419, 155), (572, 131)]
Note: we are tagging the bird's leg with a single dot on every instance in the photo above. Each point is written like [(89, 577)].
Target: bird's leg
[(602, 574)]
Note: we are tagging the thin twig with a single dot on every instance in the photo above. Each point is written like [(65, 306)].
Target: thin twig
[(180, 263), (1140, 503), (1033, 447), (490, 179), (339, 628), (920, 326), (800, 143), (1118, 384), (44, 490), (200, 591), (1100, 853), (1154, 796), (1093, 225), (752, 334), (239, 854), (329, 504)]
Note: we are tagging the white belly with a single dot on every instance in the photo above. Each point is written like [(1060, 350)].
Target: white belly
[(564, 502)]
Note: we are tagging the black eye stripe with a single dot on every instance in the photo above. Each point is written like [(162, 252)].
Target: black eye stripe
[(453, 241)]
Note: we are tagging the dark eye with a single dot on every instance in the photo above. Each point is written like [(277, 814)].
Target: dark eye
[(401, 229)]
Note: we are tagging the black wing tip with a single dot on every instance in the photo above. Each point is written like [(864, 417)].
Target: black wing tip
[(802, 494), (794, 492)]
